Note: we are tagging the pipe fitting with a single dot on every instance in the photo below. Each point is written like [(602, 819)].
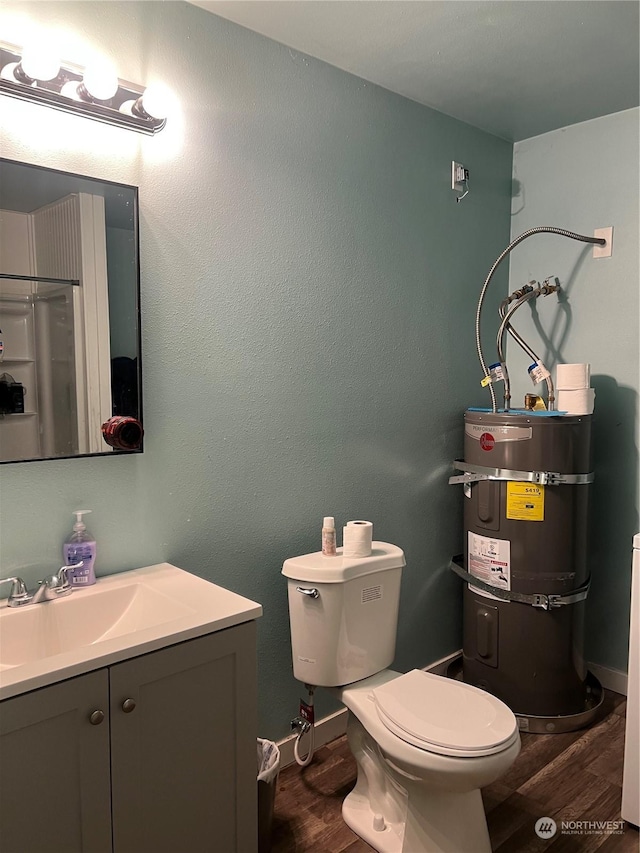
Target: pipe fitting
[(300, 725)]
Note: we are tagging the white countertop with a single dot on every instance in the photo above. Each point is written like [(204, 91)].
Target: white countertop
[(120, 617)]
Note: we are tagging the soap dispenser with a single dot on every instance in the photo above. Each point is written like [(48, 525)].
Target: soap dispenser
[(80, 547)]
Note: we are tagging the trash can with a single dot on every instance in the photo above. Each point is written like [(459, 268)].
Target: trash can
[(268, 769)]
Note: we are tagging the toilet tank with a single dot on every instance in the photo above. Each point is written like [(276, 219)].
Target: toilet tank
[(343, 614)]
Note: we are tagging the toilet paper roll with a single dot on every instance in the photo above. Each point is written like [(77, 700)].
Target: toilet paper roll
[(576, 402), (356, 539), (570, 377)]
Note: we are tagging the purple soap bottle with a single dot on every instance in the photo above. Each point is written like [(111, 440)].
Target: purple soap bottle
[(80, 547)]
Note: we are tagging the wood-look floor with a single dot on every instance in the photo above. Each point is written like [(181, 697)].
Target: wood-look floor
[(570, 777)]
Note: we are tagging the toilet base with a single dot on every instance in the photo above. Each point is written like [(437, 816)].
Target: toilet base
[(357, 814), (396, 814), (416, 834)]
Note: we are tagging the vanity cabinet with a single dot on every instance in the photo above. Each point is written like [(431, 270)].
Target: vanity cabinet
[(156, 754), (54, 769)]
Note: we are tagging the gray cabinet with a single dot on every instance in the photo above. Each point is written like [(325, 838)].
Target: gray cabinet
[(171, 766), (183, 747), (54, 769)]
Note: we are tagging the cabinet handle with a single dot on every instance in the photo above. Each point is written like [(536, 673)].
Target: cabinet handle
[(96, 717), (128, 705)]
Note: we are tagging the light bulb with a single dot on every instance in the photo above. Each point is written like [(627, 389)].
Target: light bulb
[(127, 107), (100, 80), (156, 100), (39, 61), (70, 90), (8, 72)]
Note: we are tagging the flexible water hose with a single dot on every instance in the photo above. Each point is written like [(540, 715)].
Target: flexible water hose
[(520, 341), (523, 345), (499, 341), (296, 753), (540, 229), (311, 729)]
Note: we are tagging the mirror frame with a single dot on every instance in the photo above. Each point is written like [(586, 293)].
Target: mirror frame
[(111, 452)]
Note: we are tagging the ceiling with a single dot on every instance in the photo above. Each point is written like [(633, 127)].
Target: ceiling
[(515, 68)]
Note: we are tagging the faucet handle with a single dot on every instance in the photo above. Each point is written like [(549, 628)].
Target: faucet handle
[(60, 581), (18, 589)]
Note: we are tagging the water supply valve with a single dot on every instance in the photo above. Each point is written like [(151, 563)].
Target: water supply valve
[(300, 725), (550, 285)]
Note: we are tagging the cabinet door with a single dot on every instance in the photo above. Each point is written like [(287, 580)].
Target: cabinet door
[(54, 769), (183, 740)]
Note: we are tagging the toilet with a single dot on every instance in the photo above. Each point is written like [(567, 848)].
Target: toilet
[(424, 745)]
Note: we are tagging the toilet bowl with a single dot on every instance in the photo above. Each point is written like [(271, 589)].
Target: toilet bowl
[(424, 747)]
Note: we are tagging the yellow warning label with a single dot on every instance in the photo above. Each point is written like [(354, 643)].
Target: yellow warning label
[(525, 501)]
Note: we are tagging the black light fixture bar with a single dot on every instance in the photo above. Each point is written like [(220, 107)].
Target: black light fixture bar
[(49, 93)]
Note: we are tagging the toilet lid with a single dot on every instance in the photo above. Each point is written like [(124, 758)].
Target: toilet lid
[(444, 716)]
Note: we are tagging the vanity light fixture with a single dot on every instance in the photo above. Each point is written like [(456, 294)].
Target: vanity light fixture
[(93, 92)]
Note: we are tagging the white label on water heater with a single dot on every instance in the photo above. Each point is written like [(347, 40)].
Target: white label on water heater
[(489, 560)]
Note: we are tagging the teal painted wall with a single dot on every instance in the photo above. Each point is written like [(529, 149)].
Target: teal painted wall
[(308, 292), (581, 178)]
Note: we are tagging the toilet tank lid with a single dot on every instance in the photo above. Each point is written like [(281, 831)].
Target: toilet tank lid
[(317, 568)]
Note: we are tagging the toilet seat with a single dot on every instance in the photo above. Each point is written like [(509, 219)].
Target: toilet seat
[(444, 716)]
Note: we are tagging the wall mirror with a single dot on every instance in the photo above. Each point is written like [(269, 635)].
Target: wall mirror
[(70, 368)]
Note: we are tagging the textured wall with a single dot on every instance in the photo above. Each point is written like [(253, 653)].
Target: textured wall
[(581, 178), (308, 293)]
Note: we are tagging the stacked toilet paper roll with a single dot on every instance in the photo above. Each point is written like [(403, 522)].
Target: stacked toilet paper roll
[(574, 396), (356, 539), (573, 377)]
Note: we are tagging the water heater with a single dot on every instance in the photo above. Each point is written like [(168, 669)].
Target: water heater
[(526, 481), (527, 475)]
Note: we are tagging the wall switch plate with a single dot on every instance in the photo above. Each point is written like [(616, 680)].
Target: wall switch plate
[(606, 250), (459, 175)]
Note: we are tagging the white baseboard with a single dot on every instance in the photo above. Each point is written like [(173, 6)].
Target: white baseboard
[(611, 679), (440, 667), (335, 725)]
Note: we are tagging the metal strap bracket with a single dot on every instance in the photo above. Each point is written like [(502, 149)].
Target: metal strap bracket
[(544, 602), (475, 473)]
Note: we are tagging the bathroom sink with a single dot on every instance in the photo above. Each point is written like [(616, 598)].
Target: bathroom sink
[(30, 633), (121, 616)]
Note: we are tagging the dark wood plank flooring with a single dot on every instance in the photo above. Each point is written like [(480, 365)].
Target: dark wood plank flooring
[(568, 777)]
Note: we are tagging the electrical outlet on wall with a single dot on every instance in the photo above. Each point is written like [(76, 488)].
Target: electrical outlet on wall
[(459, 176)]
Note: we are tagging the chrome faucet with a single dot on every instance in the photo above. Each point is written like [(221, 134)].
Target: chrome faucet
[(52, 587)]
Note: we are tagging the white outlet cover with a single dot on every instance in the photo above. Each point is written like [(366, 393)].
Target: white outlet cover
[(606, 250)]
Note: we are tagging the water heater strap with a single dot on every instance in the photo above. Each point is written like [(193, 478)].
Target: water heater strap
[(475, 473), (545, 602)]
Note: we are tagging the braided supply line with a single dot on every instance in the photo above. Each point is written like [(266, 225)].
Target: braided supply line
[(541, 229)]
